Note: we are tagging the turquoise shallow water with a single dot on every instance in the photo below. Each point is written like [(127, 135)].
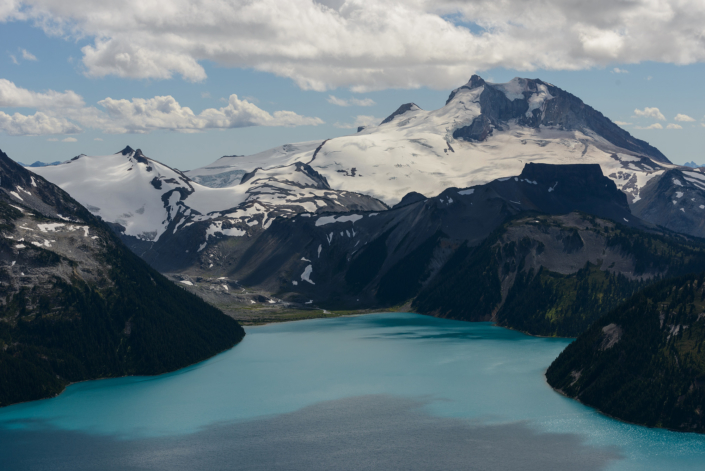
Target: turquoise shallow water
[(338, 385)]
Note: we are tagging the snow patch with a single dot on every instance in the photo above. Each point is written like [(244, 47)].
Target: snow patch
[(306, 275), (322, 221), (14, 193), (52, 227), (677, 182), (467, 192), (679, 194), (320, 247), (186, 282)]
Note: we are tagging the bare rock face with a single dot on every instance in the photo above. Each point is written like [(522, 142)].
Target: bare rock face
[(612, 334), (534, 103), (675, 200)]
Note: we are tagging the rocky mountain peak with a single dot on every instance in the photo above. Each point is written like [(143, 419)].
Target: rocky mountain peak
[(535, 103), (401, 110), (126, 151)]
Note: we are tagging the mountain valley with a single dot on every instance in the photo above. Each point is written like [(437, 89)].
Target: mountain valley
[(513, 203)]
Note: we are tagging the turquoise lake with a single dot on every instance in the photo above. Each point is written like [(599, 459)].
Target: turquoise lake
[(380, 391)]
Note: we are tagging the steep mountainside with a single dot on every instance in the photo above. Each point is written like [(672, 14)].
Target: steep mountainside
[(467, 253), (675, 200), (644, 362), (76, 304), (554, 275)]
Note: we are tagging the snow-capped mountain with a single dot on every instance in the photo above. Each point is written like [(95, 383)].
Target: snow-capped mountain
[(675, 200), (145, 200), (485, 131)]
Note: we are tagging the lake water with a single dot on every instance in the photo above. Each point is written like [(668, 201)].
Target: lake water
[(382, 391)]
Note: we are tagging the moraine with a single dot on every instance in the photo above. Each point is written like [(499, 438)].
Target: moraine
[(385, 391)]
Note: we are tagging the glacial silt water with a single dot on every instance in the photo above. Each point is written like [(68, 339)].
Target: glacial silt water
[(381, 391)]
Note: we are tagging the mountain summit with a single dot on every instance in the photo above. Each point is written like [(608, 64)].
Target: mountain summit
[(484, 131), (534, 103)]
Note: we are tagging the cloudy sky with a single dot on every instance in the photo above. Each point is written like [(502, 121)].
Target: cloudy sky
[(191, 80)]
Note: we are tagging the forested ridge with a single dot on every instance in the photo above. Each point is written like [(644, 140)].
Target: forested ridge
[(76, 304), (643, 362), (521, 276)]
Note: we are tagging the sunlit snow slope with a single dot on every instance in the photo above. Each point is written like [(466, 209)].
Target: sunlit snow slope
[(485, 131), (145, 199)]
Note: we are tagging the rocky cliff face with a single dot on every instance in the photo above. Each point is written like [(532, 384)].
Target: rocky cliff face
[(534, 103), (76, 304), (675, 200)]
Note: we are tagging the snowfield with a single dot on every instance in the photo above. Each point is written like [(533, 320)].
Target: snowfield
[(416, 151)]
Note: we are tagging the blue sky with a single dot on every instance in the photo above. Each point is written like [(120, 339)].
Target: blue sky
[(60, 49)]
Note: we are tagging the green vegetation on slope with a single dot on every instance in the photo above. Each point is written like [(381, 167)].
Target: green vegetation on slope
[(506, 279), (644, 362), (76, 304), (139, 324)]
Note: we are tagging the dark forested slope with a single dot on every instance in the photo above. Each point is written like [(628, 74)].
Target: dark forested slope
[(555, 275), (644, 362), (76, 304)]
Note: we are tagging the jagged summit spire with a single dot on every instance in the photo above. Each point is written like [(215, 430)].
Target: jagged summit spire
[(475, 81), (126, 151), (401, 110)]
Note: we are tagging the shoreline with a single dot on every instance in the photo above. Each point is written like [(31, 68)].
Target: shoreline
[(611, 417)]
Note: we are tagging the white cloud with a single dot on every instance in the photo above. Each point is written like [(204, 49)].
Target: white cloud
[(360, 120), (205, 95), (60, 112), (13, 96), (14, 59), (653, 126), (97, 139), (674, 126), (53, 139), (649, 113), (617, 70), (683, 118), (141, 115), (69, 139), (35, 125), (350, 102), (368, 44), (622, 123), (28, 56)]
